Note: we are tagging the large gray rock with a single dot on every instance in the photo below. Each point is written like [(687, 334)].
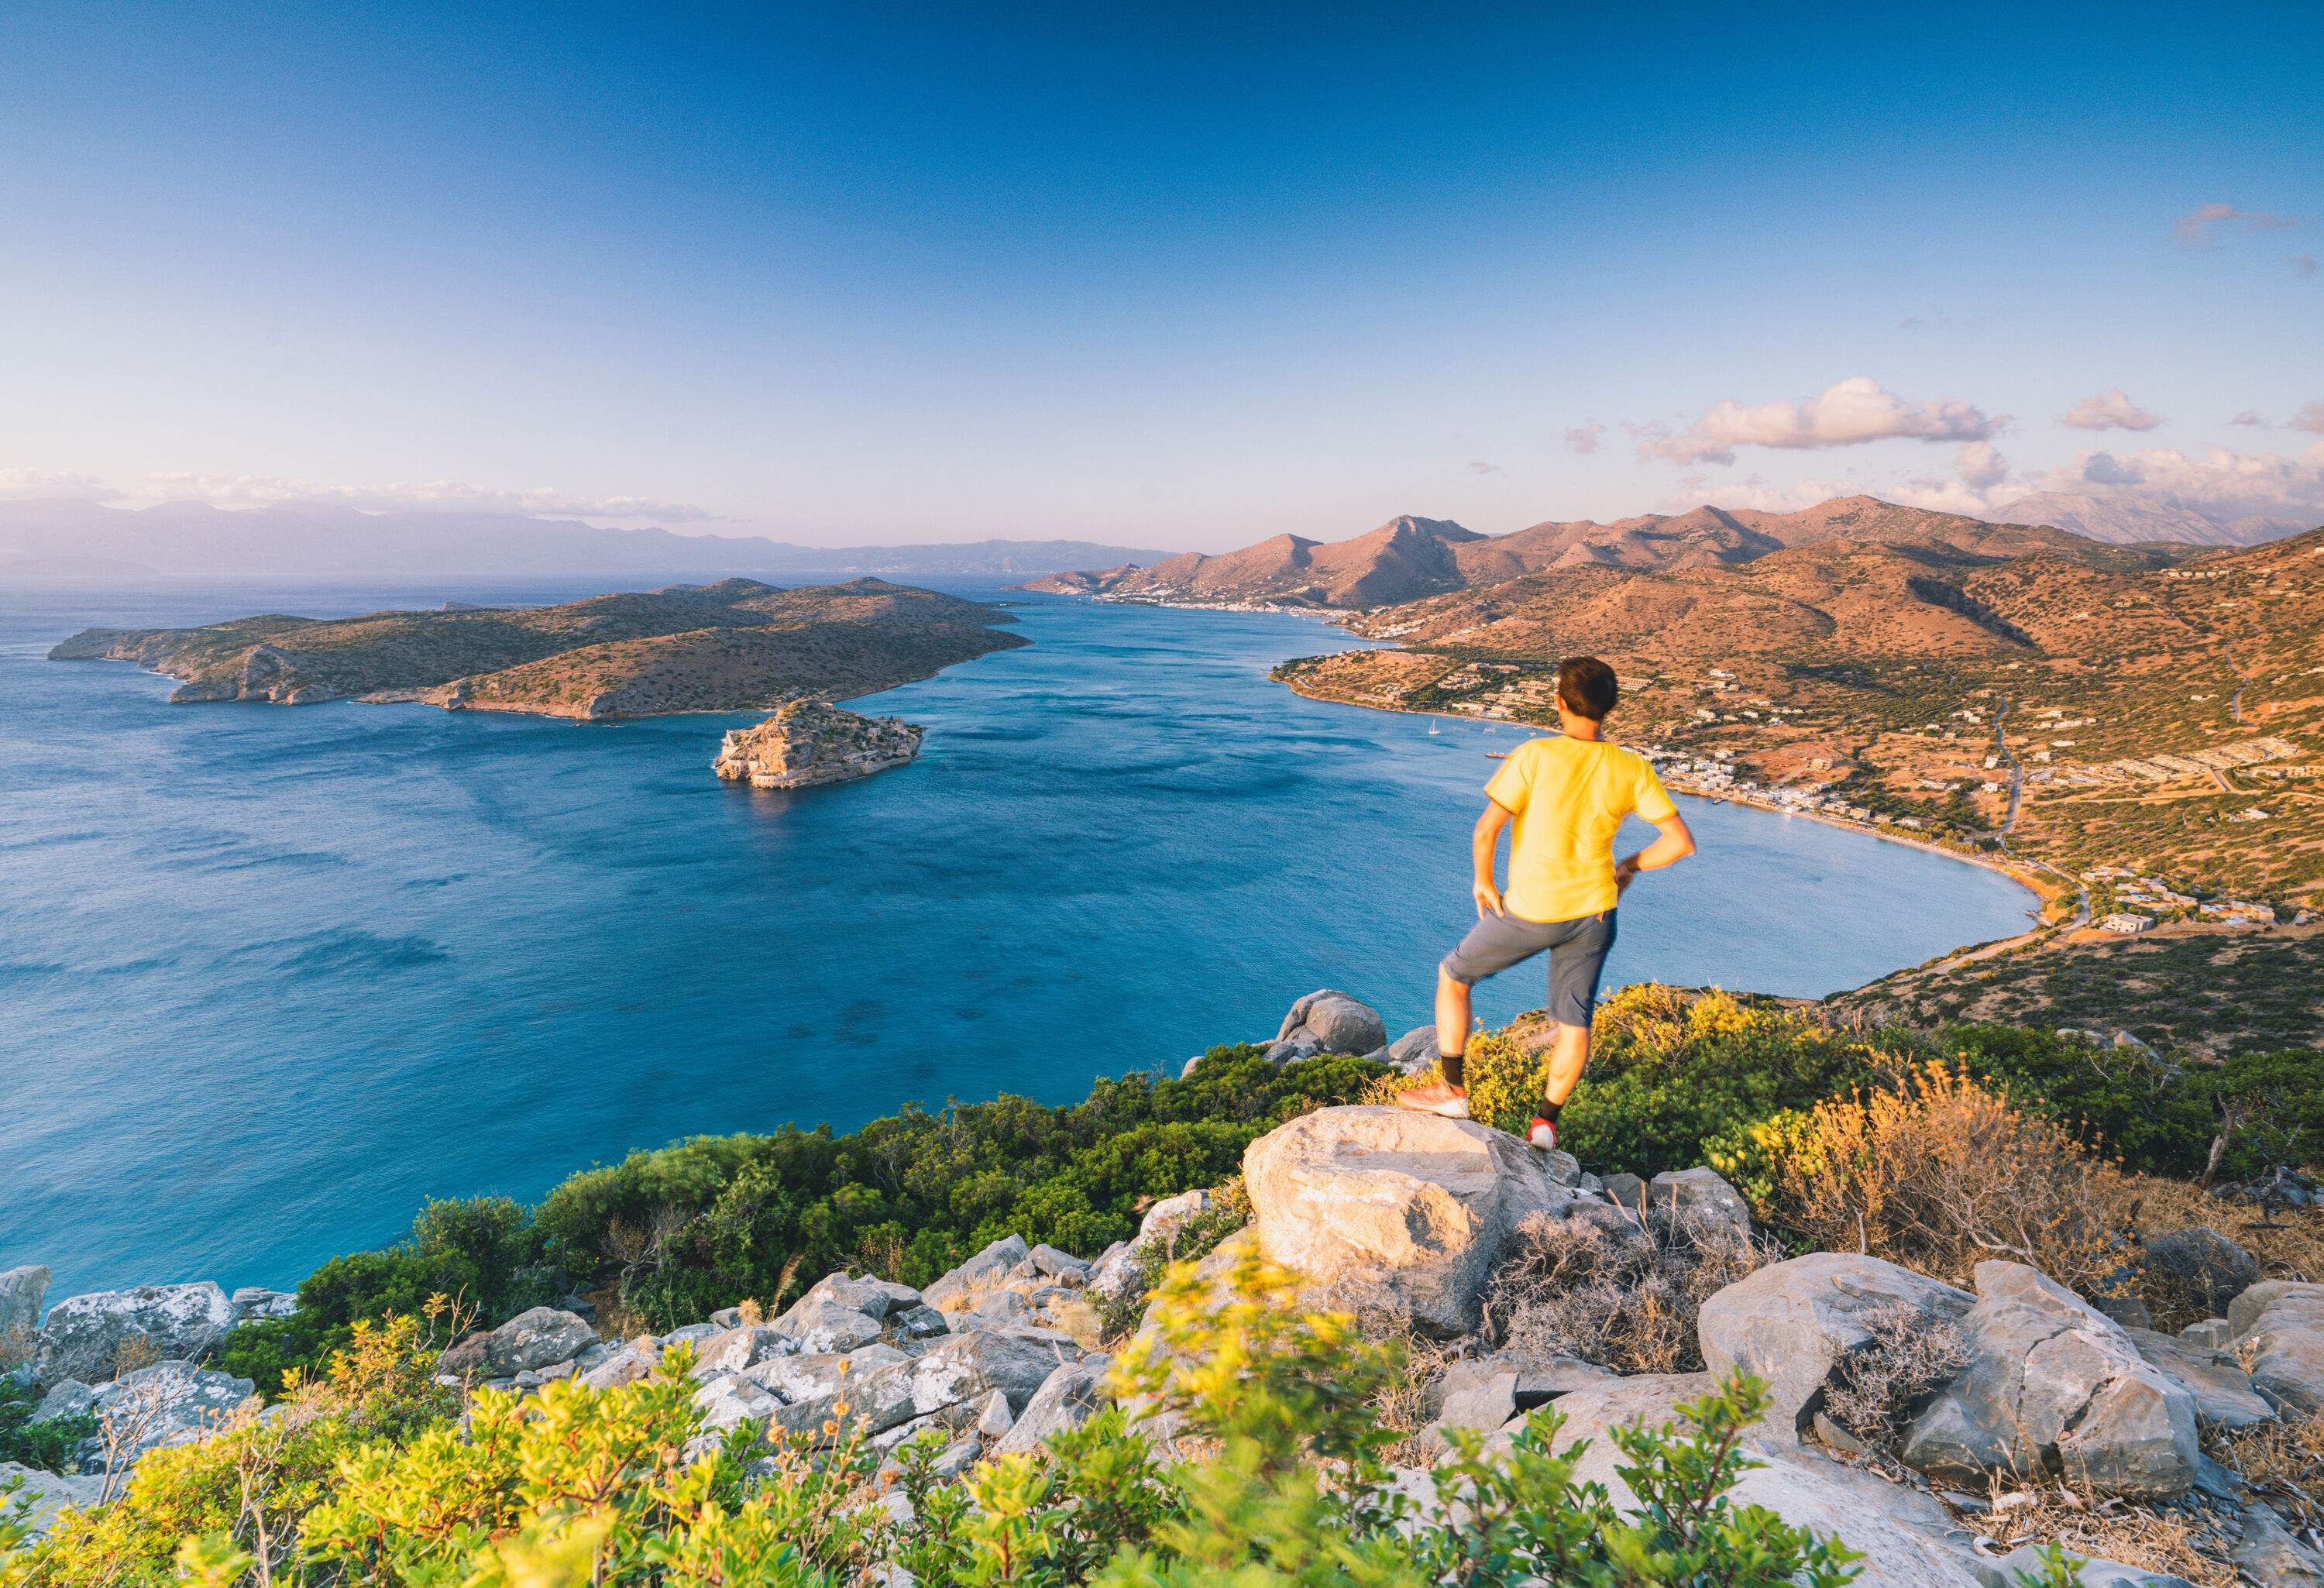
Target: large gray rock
[(1907, 1538), (877, 1298), (988, 1270), (22, 1291), (1163, 1219), (738, 1349), (169, 1403), (2055, 1386), (1069, 1396), (795, 1379), (1790, 1323), (2279, 1328), (48, 1494), (1393, 1211), (84, 1335), (631, 1364), (1698, 1199), (69, 1398), (822, 1325), (728, 1400), (2212, 1270), (1334, 1022), (534, 1339), (2223, 1392), (1414, 1051)]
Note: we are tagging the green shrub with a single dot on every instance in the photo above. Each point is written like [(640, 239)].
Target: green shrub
[(51, 1445), (700, 1225)]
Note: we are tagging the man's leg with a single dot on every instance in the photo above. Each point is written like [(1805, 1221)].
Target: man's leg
[(1575, 965), (1452, 1022)]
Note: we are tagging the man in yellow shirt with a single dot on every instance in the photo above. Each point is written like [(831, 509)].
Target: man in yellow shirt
[(1567, 797)]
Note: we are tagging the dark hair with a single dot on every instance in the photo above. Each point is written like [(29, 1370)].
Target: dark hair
[(1586, 686)]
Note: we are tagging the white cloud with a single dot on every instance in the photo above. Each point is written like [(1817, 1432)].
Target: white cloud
[(2309, 419), (247, 491), (32, 485), (2196, 228), (2109, 410), (1856, 410), (1981, 465), (1583, 437)]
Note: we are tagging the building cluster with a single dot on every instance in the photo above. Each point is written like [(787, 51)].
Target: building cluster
[(2171, 768), (2155, 895)]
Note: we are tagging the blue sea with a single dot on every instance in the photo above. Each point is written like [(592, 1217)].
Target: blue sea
[(271, 976)]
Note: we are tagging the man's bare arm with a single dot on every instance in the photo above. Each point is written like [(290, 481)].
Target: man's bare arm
[(1488, 838), (1675, 842)]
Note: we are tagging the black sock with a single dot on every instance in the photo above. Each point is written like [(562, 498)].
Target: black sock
[(1549, 1110), (1450, 1063)]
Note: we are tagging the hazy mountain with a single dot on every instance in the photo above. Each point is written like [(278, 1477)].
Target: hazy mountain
[(2127, 517), (1409, 557), (307, 541)]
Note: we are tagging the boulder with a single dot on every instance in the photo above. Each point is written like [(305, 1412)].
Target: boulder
[(2278, 1326), (2223, 1392), (2055, 1386), (1334, 1022), (84, 1333), (1792, 1322), (1626, 1189), (878, 1298), (22, 1292), (46, 1495), (730, 1398), (626, 1366), (1414, 1051), (1292, 1049), (738, 1349), (1060, 1265), (1907, 1538), (2212, 1334), (821, 1325), (994, 1417), (793, 1379), (916, 1323), (66, 1398), (1068, 1398), (987, 1271), (1389, 1210), (1700, 1200), (693, 1334), (169, 1403), (254, 1304), (1162, 1220), (2210, 1269), (535, 1338), (1539, 1381)]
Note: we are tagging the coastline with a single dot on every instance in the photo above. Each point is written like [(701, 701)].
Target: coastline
[(2024, 873)]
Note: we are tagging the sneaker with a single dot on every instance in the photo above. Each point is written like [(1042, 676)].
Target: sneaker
[(1439, 1099), (1541, 1133)]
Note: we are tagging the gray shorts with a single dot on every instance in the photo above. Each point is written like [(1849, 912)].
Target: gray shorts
[(1577, 957)]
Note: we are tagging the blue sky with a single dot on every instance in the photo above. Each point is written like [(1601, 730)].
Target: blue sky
[(1179, 276)]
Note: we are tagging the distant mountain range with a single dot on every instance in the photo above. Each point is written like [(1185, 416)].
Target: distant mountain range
[(2126, 517), (1407, 558), (323, 540)]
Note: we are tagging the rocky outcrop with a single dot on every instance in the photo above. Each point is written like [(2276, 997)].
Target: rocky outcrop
[(1069, 1396), (1792, 1323), (1328, 1022), (2223, 1392), (2278, 1326), (169, 1403), (1396, 1212), (2056, 1387), (84, 1335), (808, 742), (2210, 1269), (538, 1338), (47, 1494)]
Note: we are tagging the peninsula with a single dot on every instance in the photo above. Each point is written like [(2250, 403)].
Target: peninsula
[(736, 645)]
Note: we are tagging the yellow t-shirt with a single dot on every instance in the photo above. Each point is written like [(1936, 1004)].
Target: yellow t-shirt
[(1569, 797)]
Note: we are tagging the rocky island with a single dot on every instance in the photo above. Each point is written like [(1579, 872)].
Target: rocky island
[(809, 742), (736, 645)]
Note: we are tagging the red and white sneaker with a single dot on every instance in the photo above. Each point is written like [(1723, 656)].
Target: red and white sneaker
[(1541, 1133), (1442, 1101)]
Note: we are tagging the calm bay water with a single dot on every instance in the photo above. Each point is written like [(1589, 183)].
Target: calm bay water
[(271, 976)]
